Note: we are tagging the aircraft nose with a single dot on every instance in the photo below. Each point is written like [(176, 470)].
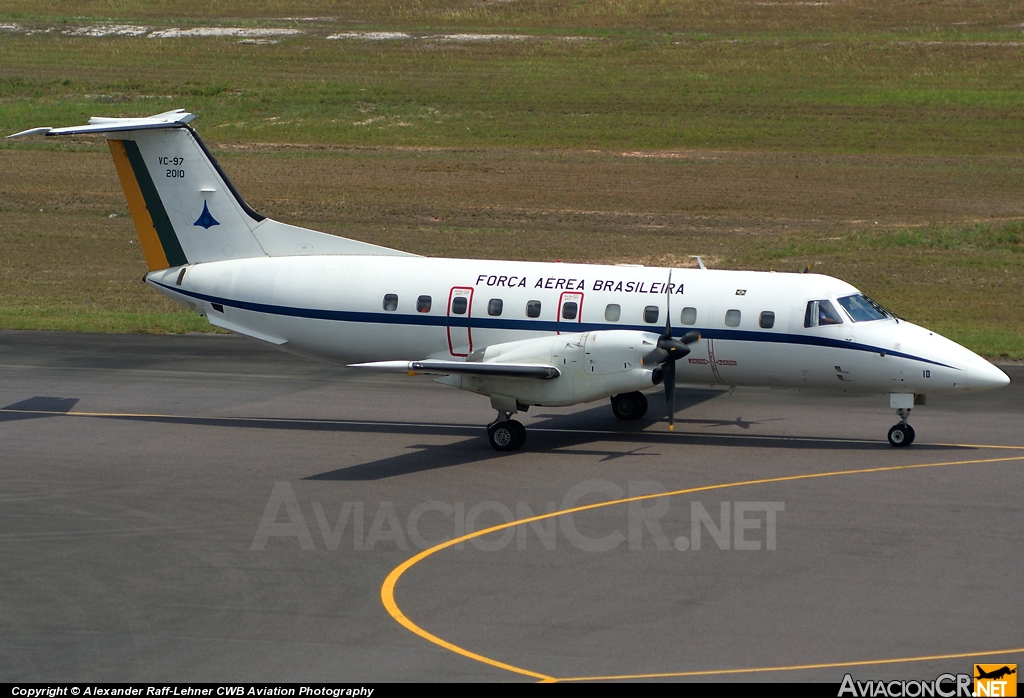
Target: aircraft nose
[(981, 375)]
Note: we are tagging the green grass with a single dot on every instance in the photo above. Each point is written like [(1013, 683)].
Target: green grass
[(963, 18), (84, 320), (907, 113), (646, 90), (961, 281), (969, 239)]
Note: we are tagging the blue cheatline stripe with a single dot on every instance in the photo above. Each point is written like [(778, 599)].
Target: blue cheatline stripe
[(493, 323)]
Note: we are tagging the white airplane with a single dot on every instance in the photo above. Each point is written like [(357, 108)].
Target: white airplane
[(521, 333)]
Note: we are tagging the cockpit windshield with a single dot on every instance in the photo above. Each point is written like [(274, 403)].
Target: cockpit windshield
[(863, 309)]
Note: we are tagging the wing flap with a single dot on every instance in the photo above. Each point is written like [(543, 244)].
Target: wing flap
[(473, 368)]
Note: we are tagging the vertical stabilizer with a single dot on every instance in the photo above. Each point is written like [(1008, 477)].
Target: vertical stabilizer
[(185, 209), (182, 206)]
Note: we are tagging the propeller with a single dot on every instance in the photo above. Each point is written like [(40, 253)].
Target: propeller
[(667, 352)]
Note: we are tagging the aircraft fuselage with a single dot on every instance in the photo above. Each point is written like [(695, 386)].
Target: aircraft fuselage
[(752, 324)]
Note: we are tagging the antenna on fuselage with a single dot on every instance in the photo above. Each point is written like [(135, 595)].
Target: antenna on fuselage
[(700, 262)]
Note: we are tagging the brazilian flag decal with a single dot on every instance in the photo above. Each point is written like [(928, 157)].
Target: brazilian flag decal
[(156, 234)]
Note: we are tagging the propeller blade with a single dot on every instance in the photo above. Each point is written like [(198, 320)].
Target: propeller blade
[(655, 356), (668, 308), (670, 393), (674, 350)]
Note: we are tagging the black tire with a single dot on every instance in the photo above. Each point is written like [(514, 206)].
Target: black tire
[(508, 435), (629, 406), (520, 431), (901, 435)]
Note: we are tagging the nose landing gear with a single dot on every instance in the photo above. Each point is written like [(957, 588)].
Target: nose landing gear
[(902, 434)]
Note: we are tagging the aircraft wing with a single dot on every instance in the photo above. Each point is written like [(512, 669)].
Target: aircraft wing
[(476, 368)]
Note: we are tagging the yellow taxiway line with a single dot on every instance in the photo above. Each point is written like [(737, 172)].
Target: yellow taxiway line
[(795, 667), (387, 592), (388, 589)]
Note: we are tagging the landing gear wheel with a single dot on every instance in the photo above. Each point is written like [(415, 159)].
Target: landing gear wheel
[(901, 435), (508, 435), (629, 406), (520, 431)]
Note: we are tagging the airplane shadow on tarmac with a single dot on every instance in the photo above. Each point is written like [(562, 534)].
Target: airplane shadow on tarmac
[(37, 407), (564, 434)]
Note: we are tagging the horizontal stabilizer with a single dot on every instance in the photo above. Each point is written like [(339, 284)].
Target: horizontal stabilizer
[(539, 371), (102, 124)]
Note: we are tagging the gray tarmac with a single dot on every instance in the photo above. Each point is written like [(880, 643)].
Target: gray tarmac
[(200, 508)]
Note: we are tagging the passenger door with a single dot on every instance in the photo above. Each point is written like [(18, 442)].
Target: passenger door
[(460, 309), (570, 308)]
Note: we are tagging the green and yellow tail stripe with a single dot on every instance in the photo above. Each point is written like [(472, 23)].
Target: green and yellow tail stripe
[(156, 234)]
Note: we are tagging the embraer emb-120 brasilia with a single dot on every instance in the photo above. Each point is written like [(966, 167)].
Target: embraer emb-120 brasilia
[(521, 333)]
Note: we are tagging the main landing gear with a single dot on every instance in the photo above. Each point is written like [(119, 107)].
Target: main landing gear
[(902, 434), (629, 406), (506, 434)]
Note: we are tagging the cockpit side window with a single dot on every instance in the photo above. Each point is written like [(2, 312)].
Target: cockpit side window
[(862, 309), (820, 313)]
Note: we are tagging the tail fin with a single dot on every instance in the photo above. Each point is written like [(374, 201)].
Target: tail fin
[(184, 207)]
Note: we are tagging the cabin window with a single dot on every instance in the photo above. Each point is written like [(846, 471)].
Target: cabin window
[(651, 314), (612, 312), (533, 309), (460, 305), (732, 318), (494, 306), (689, 316), (767, 320), (391, 302), (569, 310), (821, 313), (423, 304)]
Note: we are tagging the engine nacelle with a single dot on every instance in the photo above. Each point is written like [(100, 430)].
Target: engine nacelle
[(592, 366)]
